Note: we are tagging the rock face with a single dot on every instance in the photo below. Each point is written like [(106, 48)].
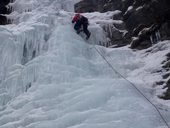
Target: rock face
[(102, 5), (143, 18), (4, 9), (166, 66)]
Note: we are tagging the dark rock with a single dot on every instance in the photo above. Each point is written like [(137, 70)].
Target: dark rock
[(160, 83), (4, 2), (166, 95), (138, 29), (146, 13), (120, 26), (85, 6), (4, 9), (139, 43), (102, 5), (165, 31), (118, 16), (165, 76), (143, 37), (167, 65), (126, 4), (168, 55), (127, 37), (135, 42), (3, 20)]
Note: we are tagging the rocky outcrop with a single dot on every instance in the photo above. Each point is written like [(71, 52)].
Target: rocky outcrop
[(146, 37), (166, 78), (102, 5), (4, 9), (142, 18), (151, 15)]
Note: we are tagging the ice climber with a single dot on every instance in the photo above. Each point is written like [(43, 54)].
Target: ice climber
[(81, 21)]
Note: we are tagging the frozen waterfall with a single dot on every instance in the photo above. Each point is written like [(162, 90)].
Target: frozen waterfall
[(50, 77)]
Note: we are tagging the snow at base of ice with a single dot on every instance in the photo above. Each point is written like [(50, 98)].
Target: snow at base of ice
[(50, 77)]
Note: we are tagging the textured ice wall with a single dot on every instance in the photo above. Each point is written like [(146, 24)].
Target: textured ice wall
[(21, 43), (28, 36), (17, 49), (24, 40)]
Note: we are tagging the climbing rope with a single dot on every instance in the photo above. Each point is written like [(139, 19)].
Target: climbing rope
[(132, 84)]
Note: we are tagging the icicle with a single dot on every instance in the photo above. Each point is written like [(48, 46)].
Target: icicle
[(155, 37), (158, 36), (151, 39)]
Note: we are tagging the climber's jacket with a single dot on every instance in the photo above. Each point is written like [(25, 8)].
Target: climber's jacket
[(80, 20)]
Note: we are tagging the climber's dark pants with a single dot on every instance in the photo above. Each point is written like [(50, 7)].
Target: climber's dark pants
[(77, 27), (85, 30)]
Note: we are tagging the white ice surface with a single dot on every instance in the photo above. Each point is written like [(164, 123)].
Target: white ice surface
[(50, 77)]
